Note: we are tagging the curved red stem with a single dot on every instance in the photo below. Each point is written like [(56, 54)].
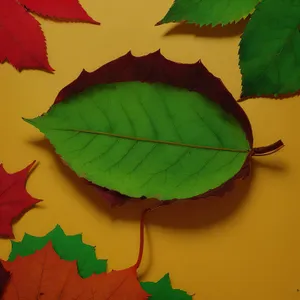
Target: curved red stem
[(142, 233), (142, 238), (267, 150)]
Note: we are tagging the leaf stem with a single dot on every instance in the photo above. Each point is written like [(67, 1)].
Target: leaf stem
[(267, 150), (142, 232)]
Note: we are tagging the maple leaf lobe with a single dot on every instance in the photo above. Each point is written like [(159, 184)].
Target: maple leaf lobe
[(23, 43), (22, 39), (14, 198)]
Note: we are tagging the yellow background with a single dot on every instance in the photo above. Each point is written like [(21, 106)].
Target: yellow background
[(242, 246)]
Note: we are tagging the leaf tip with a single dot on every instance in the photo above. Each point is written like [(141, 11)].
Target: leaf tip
[(26, 120), (58, 228), (47, 67), (95, 22), (30, 121), (32, 165)]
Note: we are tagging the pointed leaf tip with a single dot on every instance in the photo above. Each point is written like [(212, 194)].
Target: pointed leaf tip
[(30, 121), (166, 277), (31, 166), (26, 120)]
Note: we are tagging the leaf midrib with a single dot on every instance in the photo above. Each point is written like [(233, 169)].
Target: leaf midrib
[(141, 139)]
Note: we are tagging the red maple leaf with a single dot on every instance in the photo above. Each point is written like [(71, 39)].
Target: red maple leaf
[(22, 39), (44, 275), (14, 199)]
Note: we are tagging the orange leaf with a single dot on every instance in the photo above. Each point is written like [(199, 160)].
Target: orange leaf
[(45, 276)]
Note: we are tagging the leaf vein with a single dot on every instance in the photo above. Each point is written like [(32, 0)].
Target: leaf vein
[(103, 113), (170, 118), (153, 127), (228, 163), (142, 160), (84, 147), (103, 153), (166, 169), (129, 119), (210, 129), (199, 170), (117, 162)]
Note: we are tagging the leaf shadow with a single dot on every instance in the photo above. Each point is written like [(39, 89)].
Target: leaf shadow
[(230, 30), (274, 166), (187, 214)]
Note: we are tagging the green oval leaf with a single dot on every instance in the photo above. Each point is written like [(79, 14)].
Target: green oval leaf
[(152, 68), (149, 140), (209, 12)]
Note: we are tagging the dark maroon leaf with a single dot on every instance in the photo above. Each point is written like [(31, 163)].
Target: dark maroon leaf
[(4, 277), (156, 68)]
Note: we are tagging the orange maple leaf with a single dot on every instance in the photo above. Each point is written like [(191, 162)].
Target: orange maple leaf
[(45, 276)]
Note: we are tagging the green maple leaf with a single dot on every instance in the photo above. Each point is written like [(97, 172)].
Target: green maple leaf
[(270, 49), (209, 12), (145, 139), (68, 247), (162, 290)]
